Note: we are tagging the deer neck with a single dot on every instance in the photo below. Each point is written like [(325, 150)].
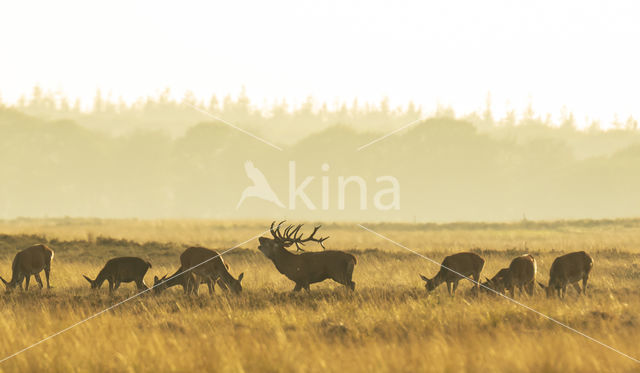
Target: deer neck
[(286, 262), (102, 276), (175, 279), (15, 280), (226, 277), (439, 278), (17, 275)]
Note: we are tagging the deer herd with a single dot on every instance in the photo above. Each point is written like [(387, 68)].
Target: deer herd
[(199, 265)]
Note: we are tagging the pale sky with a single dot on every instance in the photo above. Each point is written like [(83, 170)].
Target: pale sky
[(580, 54)]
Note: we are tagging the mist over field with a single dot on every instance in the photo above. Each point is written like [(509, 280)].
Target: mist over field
[(161, 158), (303, 186)]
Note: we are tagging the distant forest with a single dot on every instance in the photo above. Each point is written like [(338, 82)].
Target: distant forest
[(160, 158)]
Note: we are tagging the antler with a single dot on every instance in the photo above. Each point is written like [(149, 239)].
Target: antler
[(290, 235), (300, 240)]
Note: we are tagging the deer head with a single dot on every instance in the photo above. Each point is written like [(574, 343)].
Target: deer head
[(430, 284), (9, 284), (548, 289), (290, 236), (94, 283), (159, 284), (235, 285)]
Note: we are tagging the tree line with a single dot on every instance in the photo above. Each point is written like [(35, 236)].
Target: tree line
[(160, 158)]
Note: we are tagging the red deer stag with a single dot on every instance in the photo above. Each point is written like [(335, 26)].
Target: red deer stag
[(308, 267), (569, 269), (465, 264), (521, 274), (202, 266), (119, 270), (30, 261)]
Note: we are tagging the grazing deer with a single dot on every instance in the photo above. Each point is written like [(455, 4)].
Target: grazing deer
[(184, 279), (465, 264), (569, 269), (213, 270), (30, 261), (308, 267), (490, 284), (521, 273), (119, 270)]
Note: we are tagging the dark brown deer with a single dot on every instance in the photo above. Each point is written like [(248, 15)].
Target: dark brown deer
[(308, 267), (200, 265), (119, 270), (521, 274), (569, 269), (183, 279), (28, 262), (180, 277), (465, 264)]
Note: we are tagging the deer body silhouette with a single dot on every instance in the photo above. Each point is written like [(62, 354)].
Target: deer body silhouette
[(307, 268)]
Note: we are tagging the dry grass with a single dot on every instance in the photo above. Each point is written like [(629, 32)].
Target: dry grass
[(388, 324)]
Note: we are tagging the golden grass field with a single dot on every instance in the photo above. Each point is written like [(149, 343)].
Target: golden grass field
[(388, 324)]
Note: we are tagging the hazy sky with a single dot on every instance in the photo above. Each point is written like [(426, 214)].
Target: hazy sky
[(582, 54)]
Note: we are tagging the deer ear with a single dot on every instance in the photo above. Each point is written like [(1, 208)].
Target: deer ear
[(241, 277), (155, 279), (88, 279), (542, 286), (424, 278)]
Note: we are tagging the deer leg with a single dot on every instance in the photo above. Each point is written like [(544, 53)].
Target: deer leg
[(195, 280), (306, 287), (187, 283), (346, 281), (110, 286), (584, 285), (350, 284), (26, 284), (455, 286), (349, 274), (476, 281), (211, 286), (577, 287), (141, 285), (449, 287), (195, 286), (117, 285), (20, 281), (297, 288), (47, 269), (39, 280)]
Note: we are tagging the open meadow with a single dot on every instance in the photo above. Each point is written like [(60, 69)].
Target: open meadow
[(388, 324)]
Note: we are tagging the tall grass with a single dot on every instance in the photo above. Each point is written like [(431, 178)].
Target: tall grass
[(387, 324)]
